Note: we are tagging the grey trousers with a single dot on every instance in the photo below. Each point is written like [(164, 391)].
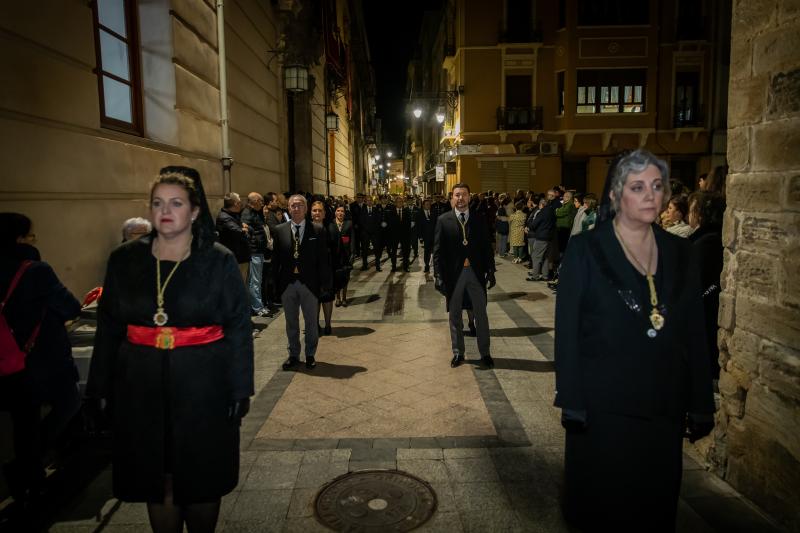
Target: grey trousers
[(467, 281), (296, 297), (538, 256)]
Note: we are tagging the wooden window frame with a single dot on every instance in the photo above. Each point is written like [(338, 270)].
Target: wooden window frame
[(136, 126)]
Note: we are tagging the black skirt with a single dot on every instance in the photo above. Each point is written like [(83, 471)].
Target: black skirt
[(623, 473)]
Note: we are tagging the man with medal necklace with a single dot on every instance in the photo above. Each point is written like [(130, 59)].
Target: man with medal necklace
[(302, 273), (463, 265)]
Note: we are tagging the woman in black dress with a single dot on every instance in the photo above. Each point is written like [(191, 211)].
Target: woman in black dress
[(173, 358), (630, 356), (318, 214), (341, 247)]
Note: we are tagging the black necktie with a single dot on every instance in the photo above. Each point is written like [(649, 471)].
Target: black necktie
[(400, 214), (297, 232), (463, 221)]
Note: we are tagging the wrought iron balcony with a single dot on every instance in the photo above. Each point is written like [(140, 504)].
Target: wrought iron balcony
[(687, 117), (519, 118), (519, 35)]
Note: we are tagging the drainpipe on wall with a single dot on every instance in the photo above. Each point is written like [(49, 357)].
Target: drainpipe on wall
[(226, 159)]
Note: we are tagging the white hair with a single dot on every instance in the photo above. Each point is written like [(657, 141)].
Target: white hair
[(132, 223)]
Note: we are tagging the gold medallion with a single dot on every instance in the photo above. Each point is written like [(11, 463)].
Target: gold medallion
[(657, 319), (160, 318), (297, 255), (465, 242)]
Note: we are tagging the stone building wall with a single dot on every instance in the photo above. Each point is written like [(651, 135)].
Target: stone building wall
[(79, 181), (756, 443)]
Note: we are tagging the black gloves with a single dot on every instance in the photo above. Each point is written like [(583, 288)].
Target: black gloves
[(698, 425), (439, 286), (573, 420), (238, 409), (490, 279)]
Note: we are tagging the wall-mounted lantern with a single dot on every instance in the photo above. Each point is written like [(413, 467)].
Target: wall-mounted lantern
[(295, 78), (331, 121)]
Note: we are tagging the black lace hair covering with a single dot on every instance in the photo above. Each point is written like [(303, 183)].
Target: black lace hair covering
[(203, 229)]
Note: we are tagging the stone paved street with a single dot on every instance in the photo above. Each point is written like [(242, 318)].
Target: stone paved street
[(383, 396)]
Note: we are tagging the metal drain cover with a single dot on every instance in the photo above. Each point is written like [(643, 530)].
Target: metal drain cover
[(375, 500)]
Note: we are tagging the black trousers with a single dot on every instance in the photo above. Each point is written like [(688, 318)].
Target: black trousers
[(428, 252), (366, 240), (404, 245), (16, 398)]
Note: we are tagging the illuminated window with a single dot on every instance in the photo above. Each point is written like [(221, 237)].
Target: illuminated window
[(599, 91), (118, 74)]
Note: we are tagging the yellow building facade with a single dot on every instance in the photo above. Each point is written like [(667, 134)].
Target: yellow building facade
[(549, 92)]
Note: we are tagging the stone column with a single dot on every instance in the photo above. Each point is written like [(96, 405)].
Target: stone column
[(756, 444)]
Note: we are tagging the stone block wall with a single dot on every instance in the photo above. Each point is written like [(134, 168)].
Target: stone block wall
[(756, 443)]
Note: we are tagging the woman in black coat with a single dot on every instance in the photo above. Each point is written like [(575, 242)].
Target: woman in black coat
[(342, 240), (173, 356), (49, 376), (630, 357), (705, 216)]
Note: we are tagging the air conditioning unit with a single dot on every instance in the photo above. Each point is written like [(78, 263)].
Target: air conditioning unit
[(548, 148), (529, 149)]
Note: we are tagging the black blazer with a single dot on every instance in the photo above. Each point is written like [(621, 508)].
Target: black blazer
[(605, 360), (400, 227), (232, 235), (370, 222), (313, 264), (426, 226), (449, 251), (341, 244), (543, 226)]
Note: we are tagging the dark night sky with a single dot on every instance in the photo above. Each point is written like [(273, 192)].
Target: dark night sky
[(393, 32)]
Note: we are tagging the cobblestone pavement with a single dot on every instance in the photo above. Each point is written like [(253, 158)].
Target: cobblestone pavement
[(383, 396)]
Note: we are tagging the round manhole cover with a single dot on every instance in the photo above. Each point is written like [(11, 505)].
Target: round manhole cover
[(375, 500)]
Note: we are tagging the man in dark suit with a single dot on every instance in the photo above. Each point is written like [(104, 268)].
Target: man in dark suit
[(302, 273), (232, 234), (426, 224), (463, 263), (384, 230), (412, 204), (355, 214), (370, 233), (399, 225)]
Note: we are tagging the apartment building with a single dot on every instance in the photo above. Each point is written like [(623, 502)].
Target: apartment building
[(545, 93)]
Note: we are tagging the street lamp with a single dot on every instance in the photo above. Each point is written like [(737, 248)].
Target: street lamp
[(332, 121), (389, 154), (417, 112), (439, 117), (295, 78), (377, 156)]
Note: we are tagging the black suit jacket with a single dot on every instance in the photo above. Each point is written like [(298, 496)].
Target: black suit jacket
[(426, 226), (399, 226), (370, 222), (314, 263), (605, 360), (449, 251)]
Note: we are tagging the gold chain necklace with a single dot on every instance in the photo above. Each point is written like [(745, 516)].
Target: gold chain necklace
[(160, 317), (656, 318), (463, 227)]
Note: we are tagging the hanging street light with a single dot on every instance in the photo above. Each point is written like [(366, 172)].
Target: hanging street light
[(389, 154), (295, 78), (332, 121), (440, 115), (417, 112)]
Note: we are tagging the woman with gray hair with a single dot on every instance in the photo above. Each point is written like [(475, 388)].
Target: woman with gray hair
[(632, 374)]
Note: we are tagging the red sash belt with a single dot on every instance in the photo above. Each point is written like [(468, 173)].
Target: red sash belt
[(167, 338)]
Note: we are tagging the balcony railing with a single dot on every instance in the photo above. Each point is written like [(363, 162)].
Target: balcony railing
[(688, 118), (519, 35), (519, 118)]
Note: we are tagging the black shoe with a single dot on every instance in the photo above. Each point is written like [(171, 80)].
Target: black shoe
[(326, 330), (378, 269), (406, 269), (394, 269), (290, 363), (487, 361), (457, 360), (427, 269), (310, 363), (364, 267)]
